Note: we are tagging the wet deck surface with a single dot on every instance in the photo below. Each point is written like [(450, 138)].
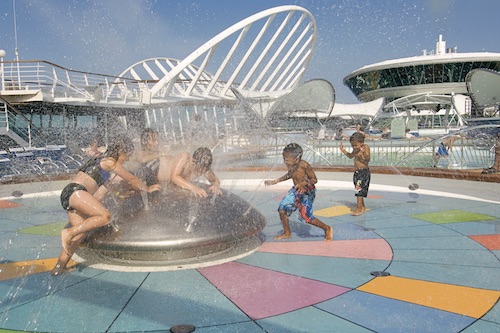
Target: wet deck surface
[(439, 244)]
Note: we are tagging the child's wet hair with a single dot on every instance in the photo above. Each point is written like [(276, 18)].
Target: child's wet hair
[(293, 149), (203, 158), (358, 137), (119, 143), (147, 134)]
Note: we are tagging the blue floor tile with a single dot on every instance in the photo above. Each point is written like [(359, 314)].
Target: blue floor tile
[(379, 314)]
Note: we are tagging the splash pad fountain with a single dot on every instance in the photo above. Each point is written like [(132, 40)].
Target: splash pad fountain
[(174, 230), (439, 261)]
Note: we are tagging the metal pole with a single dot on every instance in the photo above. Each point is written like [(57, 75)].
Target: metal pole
[(15, 40)]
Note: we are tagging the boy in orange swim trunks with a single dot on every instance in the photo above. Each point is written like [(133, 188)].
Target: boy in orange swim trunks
[(301, 195)]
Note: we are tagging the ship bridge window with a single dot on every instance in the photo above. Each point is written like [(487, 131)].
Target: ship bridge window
[(415, 75)]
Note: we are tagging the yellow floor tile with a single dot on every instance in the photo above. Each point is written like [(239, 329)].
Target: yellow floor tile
[(466, 301), (333, 211), (23, 268)]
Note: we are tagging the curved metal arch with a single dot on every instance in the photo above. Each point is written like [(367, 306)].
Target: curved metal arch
[(274, 61), (146, 73)]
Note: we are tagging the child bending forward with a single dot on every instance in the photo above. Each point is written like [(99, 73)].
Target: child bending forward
[(301, 195)]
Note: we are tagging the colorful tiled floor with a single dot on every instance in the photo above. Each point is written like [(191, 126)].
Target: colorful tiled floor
[(441, 250)]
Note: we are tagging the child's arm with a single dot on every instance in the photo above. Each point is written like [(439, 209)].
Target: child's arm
[(144, 156), (180, 181), (364, 154), (346, 153), (110, 165), (214, 181), (311, 175), (276, 181), (304, 177)]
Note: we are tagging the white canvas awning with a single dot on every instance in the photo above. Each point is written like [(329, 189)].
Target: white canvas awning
[(360, 110)]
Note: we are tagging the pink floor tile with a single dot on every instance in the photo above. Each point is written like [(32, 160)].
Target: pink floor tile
[(262, 293), (376, 249), (491, 242), (8, 204)]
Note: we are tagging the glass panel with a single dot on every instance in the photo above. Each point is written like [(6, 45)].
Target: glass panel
[(457, 71), (419, 74), (438, 73), (465, 69), (448, 72)]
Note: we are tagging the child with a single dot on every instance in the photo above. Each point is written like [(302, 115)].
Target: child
[(81, 198), (183, 168), (301, 195), (145, 160), (361, 177)]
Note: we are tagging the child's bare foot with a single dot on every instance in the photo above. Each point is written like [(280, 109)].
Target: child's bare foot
[(59, 270), (66, 240), (282, 236), (329, 234), (358, 212)]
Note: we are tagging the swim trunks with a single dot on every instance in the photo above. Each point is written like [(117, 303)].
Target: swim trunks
[(68, 191), (361, 179), (301, 201)]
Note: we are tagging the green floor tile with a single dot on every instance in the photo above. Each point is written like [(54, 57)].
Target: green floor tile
[(51, 229), (452, 216)]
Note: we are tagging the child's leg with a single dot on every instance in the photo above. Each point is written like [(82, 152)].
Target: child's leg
[(328, 229), (361, 206), (65, 257), (286, 226), (285, 208)]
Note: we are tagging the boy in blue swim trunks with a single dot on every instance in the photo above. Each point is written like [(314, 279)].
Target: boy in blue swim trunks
[(361, 178), (301, 195)]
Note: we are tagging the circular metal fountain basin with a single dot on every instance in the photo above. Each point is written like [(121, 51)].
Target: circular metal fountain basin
[(174, 229)]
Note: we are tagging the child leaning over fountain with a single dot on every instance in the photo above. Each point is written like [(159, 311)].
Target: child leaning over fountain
[(145, 161), (183, 168), (361, 177), (301, 195), (82, 197)]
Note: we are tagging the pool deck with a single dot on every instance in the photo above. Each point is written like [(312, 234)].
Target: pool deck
[(424, 260)]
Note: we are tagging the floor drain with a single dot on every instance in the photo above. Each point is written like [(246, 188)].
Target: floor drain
[(380, 273), (182, 329), (413, 186), (17, 194)]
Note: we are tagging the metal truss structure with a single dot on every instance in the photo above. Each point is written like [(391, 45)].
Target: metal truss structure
[(263, 56)]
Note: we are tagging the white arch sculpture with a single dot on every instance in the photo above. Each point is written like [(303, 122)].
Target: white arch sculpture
[(265, 54)]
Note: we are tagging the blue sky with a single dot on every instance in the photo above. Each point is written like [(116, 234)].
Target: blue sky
[(107, 36)]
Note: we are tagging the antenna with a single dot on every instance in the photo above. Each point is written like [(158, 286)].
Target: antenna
[(15, 30)]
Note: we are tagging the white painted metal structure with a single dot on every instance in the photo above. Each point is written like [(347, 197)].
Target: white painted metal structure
[(264, 56)]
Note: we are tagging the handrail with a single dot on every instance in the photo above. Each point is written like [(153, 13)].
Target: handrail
[(57, 82), (18, 123)]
